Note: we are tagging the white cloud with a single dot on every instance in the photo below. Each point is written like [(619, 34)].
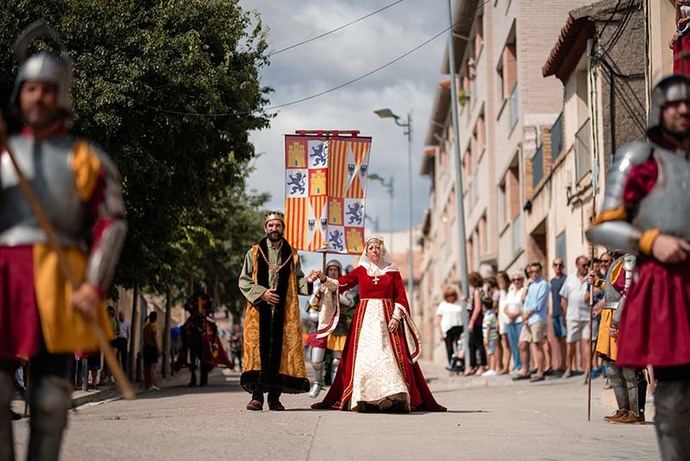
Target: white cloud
[(322, 64)]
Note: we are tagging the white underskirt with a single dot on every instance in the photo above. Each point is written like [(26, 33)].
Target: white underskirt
[(377, 378)]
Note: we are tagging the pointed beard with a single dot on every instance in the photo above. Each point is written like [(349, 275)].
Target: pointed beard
[(274, 236)]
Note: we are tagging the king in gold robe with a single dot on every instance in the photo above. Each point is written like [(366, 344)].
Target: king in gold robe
[(273, 359)]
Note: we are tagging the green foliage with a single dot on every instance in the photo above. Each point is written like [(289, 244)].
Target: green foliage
[(183, 174)]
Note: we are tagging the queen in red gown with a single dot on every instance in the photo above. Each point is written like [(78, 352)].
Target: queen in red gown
[(379, 369)]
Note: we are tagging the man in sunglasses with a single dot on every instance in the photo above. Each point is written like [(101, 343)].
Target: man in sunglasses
[(559, 329), (576, 310), (645, 215)]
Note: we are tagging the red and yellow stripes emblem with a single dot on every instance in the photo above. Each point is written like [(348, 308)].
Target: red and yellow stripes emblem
[(337, 166), (296, 221)]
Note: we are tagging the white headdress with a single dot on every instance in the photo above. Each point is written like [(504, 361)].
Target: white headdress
[(385, 263)]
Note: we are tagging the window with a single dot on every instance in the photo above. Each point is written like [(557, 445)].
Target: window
[(475, 248), (479, 35), (508, 78), (583, 151), (502, 205), (446, 225), (479, 135), (467, 166), (560, 246), (516, 230), (513, 191), (483, 239), (557, 137), (537, 166), (507, 67), (514, 106)]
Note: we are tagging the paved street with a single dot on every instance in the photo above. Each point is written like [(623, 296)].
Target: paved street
[(488, 418)]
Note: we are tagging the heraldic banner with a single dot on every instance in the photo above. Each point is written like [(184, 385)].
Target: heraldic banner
[(325, 192)]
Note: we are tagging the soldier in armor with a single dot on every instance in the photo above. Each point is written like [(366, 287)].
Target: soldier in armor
[(80, 190), (336, 340), (629, 384), (645, 215)]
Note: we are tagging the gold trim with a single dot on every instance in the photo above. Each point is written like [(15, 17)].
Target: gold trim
[(647, 240), (612, 214)]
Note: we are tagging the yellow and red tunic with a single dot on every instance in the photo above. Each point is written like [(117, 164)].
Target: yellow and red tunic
[(36, 312), (655, 325)]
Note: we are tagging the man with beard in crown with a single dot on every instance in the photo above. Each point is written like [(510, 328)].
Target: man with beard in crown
[(646, 211), (271, 280), (335, 340), (80, 190)]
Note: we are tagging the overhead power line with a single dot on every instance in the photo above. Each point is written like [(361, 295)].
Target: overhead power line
[(337, 29), (321, 93), (312, 96)]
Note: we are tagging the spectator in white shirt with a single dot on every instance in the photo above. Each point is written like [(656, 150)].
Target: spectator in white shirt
[(449, 322), (576, 311), (512, 310)]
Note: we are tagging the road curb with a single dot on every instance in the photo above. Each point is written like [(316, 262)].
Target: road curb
[(112, 392)]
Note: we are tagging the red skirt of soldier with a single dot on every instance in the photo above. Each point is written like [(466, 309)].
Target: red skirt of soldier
[(313, 341), (681, 56), (655, 328), (20, 326)]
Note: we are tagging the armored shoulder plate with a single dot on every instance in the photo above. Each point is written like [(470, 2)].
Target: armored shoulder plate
[(619, 234), (627, 156)]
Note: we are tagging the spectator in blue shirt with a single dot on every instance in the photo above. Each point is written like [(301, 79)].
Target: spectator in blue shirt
[(534, 316)]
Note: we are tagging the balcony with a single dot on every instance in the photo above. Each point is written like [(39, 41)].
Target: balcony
[(557, 137), (537, 166), (583, 150)]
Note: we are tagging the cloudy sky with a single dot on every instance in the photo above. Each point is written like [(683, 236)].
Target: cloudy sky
[(408, 85)]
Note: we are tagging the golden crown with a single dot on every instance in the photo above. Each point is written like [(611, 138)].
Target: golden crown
[(271, 215)]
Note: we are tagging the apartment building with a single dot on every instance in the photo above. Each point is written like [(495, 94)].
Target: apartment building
[(503, 101)]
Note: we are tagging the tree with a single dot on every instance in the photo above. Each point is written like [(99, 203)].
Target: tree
[(142, 71)]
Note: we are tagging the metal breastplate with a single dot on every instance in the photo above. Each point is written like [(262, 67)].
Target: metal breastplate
[(48, 166), (611, 295), (667, 206)]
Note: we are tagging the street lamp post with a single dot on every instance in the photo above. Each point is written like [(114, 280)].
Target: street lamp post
[(407, 127), (458, 166), (388, 185)]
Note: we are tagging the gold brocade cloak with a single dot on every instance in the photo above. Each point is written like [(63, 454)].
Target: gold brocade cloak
[(290, 374)]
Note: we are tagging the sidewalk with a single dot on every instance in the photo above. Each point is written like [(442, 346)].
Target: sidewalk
[(604, 397), (110, 391)]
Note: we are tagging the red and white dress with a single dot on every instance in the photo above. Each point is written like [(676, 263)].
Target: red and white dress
[(378, 369)]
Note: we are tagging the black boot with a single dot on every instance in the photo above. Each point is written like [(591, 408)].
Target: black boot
[(274, 402)]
